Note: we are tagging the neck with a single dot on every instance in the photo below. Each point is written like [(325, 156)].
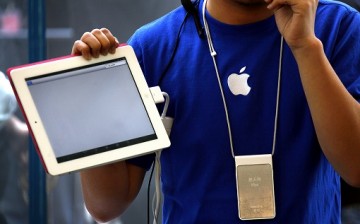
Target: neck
[(238, 12)]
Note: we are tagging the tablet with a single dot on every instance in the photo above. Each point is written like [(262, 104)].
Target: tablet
[(85, 113)]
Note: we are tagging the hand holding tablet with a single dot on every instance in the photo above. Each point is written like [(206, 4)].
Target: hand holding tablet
[(85, 113)]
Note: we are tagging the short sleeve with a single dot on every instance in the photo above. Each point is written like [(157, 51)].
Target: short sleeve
[(144, 162), (346, 56)]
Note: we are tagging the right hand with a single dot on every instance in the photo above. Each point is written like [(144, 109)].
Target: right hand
[(92, 44)]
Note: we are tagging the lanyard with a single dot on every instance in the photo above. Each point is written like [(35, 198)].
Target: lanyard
[(213, 54)]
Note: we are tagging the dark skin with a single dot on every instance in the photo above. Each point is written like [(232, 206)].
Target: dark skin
[(110, 189)]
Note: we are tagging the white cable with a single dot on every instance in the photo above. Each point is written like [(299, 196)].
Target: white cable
[(278, 95), (156, 202), (157, 193), (166, 105), (213, 54)]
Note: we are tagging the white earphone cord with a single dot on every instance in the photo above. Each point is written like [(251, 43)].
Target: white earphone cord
[(213, 54)]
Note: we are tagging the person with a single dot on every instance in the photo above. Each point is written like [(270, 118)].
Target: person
[(301, 106), (12, 203)]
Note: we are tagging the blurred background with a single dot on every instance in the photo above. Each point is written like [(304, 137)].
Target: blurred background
[(65, 22)]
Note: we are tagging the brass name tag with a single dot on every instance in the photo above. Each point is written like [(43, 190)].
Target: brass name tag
[(255, 187)]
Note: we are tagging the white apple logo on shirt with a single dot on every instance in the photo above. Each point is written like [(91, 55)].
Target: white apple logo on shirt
[(238, 83)]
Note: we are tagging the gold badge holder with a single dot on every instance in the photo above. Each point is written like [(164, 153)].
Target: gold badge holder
[(255, 187)]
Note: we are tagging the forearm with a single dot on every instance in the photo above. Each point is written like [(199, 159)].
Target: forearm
[(108, 190), (335, 113)]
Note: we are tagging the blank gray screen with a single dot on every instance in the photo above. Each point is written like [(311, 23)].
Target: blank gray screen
[(97, 107)]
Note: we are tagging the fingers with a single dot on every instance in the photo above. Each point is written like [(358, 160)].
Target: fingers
[(295, 20), (274, 5), (81, 48), (302, 4), (94, 43), (112, 40)]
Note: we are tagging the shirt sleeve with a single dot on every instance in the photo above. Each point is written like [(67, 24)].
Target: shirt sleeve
[(144, 162), (346, 57)]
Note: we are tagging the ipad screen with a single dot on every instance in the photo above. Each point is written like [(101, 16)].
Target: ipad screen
[(91, 109)]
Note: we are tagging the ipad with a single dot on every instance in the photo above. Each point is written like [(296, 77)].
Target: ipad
[(85, 113)]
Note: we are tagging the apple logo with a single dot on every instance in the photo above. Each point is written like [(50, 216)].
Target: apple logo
[(238, 83)]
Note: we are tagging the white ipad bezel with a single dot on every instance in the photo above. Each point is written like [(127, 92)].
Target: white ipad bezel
[(18, 76)]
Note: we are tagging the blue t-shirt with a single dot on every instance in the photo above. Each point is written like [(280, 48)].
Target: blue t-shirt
[(198, 170)]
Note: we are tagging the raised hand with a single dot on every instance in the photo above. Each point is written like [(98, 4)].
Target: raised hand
[(295, 20), (92, 44)]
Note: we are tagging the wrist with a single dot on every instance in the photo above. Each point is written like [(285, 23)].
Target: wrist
[(307, 48)]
